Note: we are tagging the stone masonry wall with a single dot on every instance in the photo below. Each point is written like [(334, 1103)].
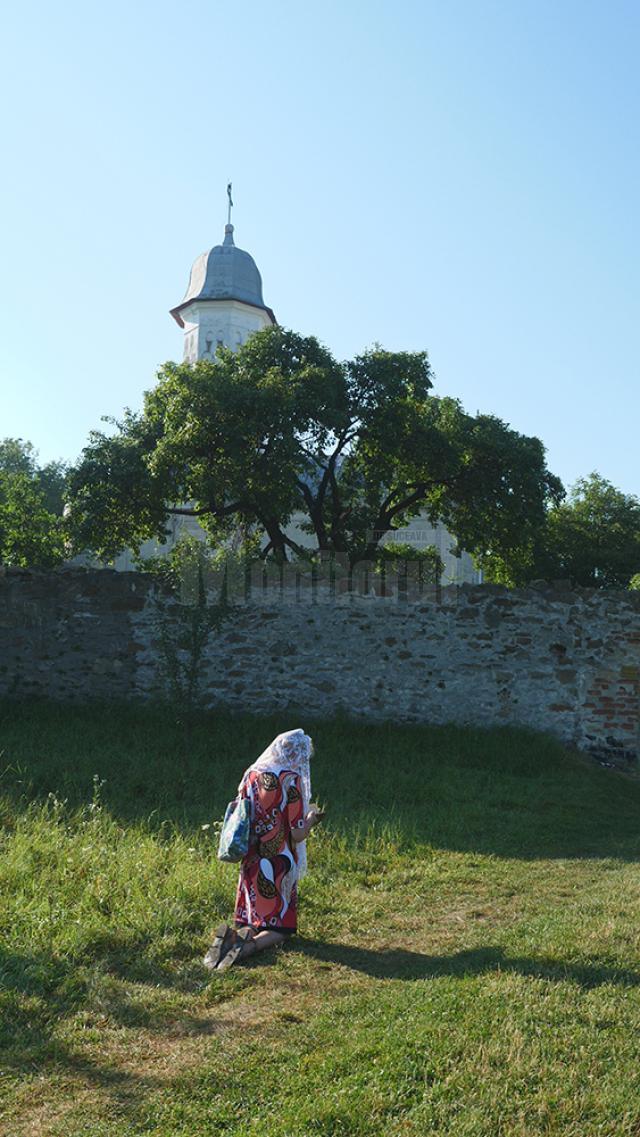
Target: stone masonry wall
[(563, 661)]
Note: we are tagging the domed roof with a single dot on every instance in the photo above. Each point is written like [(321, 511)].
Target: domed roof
[(224, 273)]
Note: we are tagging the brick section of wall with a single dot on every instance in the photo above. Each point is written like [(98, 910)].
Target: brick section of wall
[(549, 658)]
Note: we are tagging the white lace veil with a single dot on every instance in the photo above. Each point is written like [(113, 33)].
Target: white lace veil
[(291, 750)]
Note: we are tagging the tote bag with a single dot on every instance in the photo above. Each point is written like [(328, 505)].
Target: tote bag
[(234, 836)]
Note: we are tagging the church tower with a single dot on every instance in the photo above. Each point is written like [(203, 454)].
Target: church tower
[(223, 303)]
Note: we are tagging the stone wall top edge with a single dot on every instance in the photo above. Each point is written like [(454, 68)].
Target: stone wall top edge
[(537, 591), (66, 580), (446, 601), (12, 571)]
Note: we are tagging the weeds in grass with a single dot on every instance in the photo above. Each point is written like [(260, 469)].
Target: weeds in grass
[(469, 962)]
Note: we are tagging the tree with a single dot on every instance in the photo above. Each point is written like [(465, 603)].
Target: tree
[(191, 604), (20, 457), (407, 568), (31, 504), (17, 457), (591, 539), (280, 427), (594, 537), (424, 565)]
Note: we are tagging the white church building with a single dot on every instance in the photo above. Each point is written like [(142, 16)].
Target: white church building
[(222, 307)]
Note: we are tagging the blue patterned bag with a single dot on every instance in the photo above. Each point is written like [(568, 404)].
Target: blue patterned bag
[(234, 836)]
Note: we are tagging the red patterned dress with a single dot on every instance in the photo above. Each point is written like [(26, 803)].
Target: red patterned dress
[(266, 896)]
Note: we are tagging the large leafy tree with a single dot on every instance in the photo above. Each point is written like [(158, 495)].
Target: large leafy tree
[(593, 538), (281, 428), (31, 506)]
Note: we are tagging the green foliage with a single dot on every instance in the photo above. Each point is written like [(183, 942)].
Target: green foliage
[(594, 538), (191, 604), (222, 568), (183, 632), (467, 962), (634, 583), (281, 427), (31, 504), (180, 568), (114, 502), (423, 565), (17, 457), (52, 478), (591, 539)]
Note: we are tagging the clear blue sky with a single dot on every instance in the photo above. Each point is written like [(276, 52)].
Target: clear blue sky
[(462, 177)]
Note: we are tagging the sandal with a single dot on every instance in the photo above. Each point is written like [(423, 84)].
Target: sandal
[(243, 936), (223, 939)]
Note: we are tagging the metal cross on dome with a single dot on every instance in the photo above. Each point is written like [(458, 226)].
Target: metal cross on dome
[(230, 202)]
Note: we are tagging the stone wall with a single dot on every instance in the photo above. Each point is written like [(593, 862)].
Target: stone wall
[(549, 658), (67, 634)]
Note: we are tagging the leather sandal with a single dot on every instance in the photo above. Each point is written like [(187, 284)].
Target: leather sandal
[(224, 936), (243, 936)]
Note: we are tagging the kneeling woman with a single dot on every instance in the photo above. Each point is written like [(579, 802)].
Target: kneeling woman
[(278, 787)]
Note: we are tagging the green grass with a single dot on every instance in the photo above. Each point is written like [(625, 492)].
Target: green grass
[(468, 963)]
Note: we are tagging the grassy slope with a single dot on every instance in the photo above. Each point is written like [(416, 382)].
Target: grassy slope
[(468, 963)]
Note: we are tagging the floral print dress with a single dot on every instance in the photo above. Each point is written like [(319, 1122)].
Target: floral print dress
[(266, 897)]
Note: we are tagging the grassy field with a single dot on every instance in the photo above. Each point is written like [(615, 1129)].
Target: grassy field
[(468, 963)]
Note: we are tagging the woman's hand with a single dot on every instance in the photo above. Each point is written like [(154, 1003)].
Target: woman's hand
[(315, 815), (313, 818)]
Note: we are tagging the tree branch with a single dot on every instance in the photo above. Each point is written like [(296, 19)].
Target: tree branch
[(213, 509), (383, 522), (180, 511)]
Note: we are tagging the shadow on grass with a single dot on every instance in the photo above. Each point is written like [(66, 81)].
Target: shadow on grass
[(37, 994), (506, 792), (409, 965), (29, 1049)]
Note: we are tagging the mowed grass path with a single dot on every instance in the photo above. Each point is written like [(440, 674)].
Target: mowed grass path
[(468, 963)]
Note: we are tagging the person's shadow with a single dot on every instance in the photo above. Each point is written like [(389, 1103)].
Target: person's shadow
[(397, 963)]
